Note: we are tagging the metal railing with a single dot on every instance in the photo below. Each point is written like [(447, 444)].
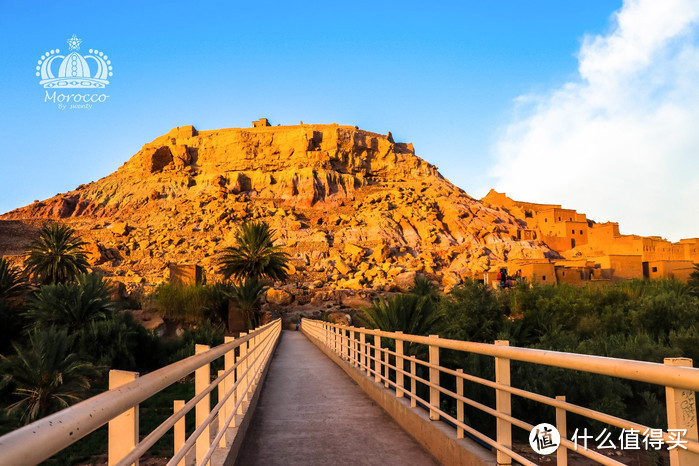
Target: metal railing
[(236, 384), (362, 348)]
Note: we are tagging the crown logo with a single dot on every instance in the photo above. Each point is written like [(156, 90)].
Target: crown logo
[(74, 70)]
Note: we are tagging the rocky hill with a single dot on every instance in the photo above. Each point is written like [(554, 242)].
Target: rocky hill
[(354, 209)]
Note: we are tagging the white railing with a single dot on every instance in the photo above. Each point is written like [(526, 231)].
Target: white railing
[(236, 384), (362, 348)]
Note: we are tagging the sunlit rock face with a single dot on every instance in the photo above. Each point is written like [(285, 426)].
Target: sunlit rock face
[(353, 208)]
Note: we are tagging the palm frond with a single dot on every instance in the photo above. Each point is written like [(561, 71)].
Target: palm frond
[(254, 254), (47, 376), (57, 256), (11, 283)]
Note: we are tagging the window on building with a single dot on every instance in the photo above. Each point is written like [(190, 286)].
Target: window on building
[(581, 232), (559, 219), (543, 278), (654, 269)]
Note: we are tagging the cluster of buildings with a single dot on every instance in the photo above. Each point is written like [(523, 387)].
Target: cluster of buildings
[(591, 251)]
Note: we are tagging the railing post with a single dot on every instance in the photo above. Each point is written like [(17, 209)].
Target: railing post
[(338, 342), (377, 358), (400, 366), (178, 430), (413, 383), (434, 379), (562, 426), (202, 379), (336, 332), (362, 349), (386, 368), (229, 362), (240, 376), (344, 344), (353, 352), (681, 414), (459, 404), (222, 411), (123, 429), (255, 361), (503, 405)]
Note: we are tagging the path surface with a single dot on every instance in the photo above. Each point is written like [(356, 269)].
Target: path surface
[(311, 413)]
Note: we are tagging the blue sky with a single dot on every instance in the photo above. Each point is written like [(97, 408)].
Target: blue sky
[(449, 77)]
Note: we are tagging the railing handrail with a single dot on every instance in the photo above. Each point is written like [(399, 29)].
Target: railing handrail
[(373, 358), (38, 441), (214, 412), (159, 431), (641, 371)]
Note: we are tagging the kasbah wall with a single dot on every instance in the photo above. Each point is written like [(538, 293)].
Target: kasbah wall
[(591, 251)]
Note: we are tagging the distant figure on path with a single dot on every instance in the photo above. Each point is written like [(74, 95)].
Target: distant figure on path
[(298, 323)]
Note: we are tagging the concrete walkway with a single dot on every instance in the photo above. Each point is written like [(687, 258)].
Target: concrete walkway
[(311, 413)]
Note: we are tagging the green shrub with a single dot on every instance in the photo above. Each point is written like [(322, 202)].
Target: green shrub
[(204, 334), (640, 320), (192, 303)]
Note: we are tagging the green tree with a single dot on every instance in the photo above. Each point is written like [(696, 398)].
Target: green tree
[(247, 298), (57, 255), (473, 312), (693, 282), (71, 305), (254, 255), (46, 375)]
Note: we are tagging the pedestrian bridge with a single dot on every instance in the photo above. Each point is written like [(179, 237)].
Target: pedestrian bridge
[(334, 394)]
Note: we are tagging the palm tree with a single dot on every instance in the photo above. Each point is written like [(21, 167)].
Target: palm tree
[(423, 287), (11, 283), (47, 376), (409, 313), (254, 255), (247, 297), (57, 255), (71, 305), (12, 287)]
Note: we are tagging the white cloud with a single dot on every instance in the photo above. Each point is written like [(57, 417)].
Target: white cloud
[(621, 142)]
